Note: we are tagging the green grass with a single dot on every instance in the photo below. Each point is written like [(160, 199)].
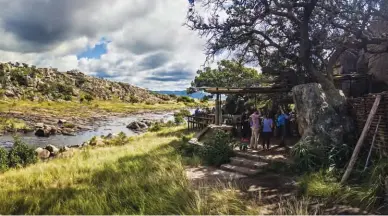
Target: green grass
[(145, 176), (85, 109), (326, 188), (12, 124)]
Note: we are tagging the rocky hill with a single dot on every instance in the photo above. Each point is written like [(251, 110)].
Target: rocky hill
[(21, 81)]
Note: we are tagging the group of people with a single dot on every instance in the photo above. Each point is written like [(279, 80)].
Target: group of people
[(260, 125)]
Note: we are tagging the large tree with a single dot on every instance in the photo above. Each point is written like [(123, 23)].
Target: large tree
[(307, 36), (227, 74)]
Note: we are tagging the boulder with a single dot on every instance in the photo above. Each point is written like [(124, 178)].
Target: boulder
[(68, 132), (111, 136), (41, 132), (62, 121), (320, 122), (142, 125), (133, 126), (52, 149), (9, 93), (147, 122), (64, 149), (42, 153), (39, 125)]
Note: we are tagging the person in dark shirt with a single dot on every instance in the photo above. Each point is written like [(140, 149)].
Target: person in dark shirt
[(281, 123)]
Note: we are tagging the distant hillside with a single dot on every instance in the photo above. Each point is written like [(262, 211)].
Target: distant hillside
[(21, 81), (197, 95)]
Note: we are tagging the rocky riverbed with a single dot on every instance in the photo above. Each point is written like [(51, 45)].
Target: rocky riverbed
[(57, 131)]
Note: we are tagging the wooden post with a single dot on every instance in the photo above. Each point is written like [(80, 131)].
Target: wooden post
[(217, 115), (220, 120), (255, 102), (360, 141), (372, 145)]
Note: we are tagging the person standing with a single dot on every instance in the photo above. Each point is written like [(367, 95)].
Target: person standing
[(281, 120), (255, 126), (267, 130)]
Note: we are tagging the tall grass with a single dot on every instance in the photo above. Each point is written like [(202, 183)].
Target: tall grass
[(83, 109), (145, 176)]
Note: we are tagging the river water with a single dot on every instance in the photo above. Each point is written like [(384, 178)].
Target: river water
[(114, 125)]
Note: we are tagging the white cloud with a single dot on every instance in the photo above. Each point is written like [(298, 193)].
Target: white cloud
[(149, 43)]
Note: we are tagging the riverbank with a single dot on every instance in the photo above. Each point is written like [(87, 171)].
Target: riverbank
[(145, 176), (21, 115)]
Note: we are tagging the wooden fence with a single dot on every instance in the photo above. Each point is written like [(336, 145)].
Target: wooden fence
[(199, 122), (360, 108)]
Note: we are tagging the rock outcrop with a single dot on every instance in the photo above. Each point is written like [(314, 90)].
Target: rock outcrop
[(138, 126), (52, 149), (25, 82), (42, 153), (319, 121)]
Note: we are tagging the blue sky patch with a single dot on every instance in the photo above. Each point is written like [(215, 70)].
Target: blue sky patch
[(95, 52)]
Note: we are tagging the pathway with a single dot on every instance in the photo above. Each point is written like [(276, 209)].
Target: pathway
[(247, 170)]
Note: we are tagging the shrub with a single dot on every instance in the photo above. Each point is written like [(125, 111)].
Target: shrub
[(187, 149), (63, 88), (134, 99), (185, 99), (3, 159), (68, 98), (219, 149), (179, 119), (150, 102), (68, 125), (120, 140), (307, 157), (184, 112), (88, 97), (21, 155), (156, 127)]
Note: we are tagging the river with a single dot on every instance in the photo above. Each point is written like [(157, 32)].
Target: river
[(113, 125)]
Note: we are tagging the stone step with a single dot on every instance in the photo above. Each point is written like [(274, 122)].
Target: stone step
[(250, 156), (212, 173), (240, 169), (252, 164)]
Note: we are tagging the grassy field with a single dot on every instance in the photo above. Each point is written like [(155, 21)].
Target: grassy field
[(145, 176), (84, 109)]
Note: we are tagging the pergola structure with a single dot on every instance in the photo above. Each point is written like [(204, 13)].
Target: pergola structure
[(252, 90), (268, 90)]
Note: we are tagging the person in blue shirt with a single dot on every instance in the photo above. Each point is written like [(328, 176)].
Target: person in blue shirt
[(281, 123)]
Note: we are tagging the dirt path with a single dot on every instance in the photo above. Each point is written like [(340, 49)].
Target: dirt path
[(268, 188)]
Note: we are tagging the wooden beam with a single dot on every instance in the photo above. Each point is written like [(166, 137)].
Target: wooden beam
[(360, 141)]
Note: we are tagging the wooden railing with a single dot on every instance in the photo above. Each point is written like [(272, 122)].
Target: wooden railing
[(199, 122)]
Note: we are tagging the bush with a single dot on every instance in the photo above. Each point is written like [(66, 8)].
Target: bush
[(120, 140), (189, 150), (219, 149), (150, 102), (179, 119), (88, 98), (134, 99), (21, 155), (185, 99), (3, 159), (63, 88), (68, 125), (67, 98), (184, 112), (156, 127)]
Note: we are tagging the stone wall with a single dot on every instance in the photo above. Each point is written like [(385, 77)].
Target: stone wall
[(360, 108)]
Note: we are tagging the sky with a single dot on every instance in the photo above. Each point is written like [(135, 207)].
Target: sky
[(141, 42)]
